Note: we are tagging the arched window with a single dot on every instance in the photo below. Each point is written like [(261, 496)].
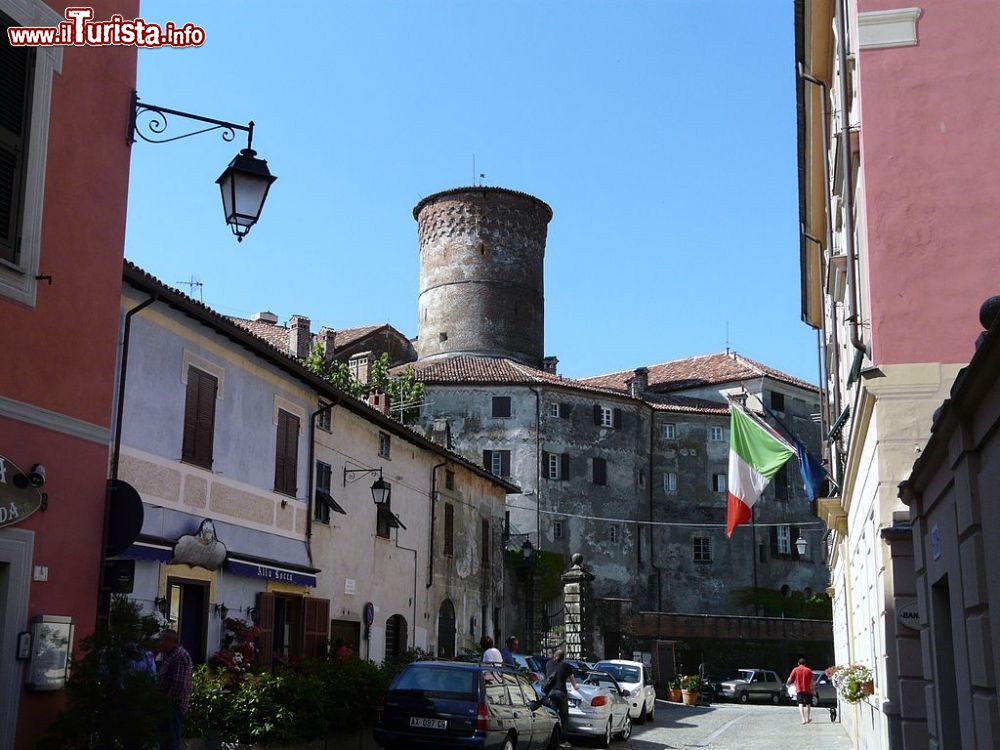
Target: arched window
[(446, 630), (395, 637)]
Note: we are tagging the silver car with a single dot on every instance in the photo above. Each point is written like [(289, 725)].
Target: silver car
[(634, 677), (599, 708), (753, 684), (824, 692)]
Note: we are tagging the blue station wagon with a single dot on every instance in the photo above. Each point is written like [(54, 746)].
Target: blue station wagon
[(439, 704)]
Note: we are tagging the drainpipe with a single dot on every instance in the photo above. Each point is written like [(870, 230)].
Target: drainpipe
[(103, 597), (310, 484), (652, 529), (413, 630), (538, 467), (430, 556), (848, 189)]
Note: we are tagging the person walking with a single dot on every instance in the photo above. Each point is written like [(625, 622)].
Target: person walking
[(175, 679), (557, 673), (491, 654), (802, 676), (507, 652)]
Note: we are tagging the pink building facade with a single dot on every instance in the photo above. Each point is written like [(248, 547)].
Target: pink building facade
[(898, 211)]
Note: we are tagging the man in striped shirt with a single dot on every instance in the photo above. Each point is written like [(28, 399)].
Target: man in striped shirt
[(175, 679)]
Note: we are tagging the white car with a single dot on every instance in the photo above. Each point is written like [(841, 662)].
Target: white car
[(634, 677)]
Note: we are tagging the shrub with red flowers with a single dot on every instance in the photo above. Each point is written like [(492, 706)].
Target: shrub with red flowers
[(238, 647)]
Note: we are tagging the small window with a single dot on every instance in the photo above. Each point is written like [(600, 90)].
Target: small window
[(501, 407), (600, 473), (613, 534), (321, 512), (384, 445), (719, 482), (557, 529), (323, 418), (449, 530), (607, 417), (717, 434), (497, 462), (554, 410), (777, 401), (784, 540), (668, 432), (670, 481), (702, 549), (449, 479)]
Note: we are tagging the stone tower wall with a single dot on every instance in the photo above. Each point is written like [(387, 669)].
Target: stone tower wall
[(482, 252)]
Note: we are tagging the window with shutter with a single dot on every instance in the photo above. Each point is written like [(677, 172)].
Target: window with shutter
[(564, 467), (781, 483), (286, 455), (17, 66), (449, 529), (324, 473), (501, 407), (199, 418), (597, 414), (600, 471), (484, 543), (564, 411), (265, 621), (617, 419), (315, 627)]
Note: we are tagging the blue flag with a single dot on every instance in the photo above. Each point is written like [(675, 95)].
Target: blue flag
[(813, 473)]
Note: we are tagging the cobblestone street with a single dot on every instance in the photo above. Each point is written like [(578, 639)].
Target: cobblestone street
[(752, 727)]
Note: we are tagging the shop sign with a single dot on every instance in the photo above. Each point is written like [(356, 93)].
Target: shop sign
[(18, 499), (908, 615)]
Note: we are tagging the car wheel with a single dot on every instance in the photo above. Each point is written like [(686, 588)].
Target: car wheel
[(815, 700), (605, 740), (776, 698), (744, 697), (652, 711), (508, 743), (554, 739), (641, 718), (626, 728)]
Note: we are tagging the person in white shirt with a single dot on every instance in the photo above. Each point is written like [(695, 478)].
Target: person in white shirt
[(491, 655)]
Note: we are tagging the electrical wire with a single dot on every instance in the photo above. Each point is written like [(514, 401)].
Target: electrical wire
[(678, 524)]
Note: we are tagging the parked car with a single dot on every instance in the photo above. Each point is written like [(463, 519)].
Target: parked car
[(534, 666), (450, 704), (753, 684), (634, 677), (599, 708), (824, 692), (579, 665)]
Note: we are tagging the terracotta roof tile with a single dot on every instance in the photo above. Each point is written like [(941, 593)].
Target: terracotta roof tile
[(347, 336), (274, 334), (692, 372)]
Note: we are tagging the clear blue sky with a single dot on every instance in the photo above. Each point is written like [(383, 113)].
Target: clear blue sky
[(661, 132)]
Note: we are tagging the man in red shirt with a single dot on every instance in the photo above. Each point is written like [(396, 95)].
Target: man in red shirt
[(802, 676)]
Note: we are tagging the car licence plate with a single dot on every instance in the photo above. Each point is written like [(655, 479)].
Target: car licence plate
[(416, 721)]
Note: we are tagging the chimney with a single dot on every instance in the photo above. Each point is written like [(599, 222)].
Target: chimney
[(638, 384), (379, 401), (266, 316), (550, 364), (441, 432), (326, 340), (299, 338), (359, 366)]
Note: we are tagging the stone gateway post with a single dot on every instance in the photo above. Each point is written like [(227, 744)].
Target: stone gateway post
[(577, 607)]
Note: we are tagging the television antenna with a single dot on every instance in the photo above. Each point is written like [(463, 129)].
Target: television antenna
[(193, 284)]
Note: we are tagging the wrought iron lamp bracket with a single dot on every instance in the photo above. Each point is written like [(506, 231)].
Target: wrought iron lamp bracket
[(360, 473), (150, 128)]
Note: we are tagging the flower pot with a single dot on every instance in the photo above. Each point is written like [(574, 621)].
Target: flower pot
[(868, 688), (675, 695), (690, 697)]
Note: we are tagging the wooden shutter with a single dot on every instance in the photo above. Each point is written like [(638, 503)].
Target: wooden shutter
[(792, 537), (488, 460), (545, 464), (564, 467), (484, 542), (199, 418), (564, 410), (505, 463), (600, 471), (618, 419), (16, 73), (265, 621), (449, 529), (774, 541), (286, 464), (315, 624), (597, 414)]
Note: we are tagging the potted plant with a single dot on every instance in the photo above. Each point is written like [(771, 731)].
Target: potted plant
[(853, 682), (691, 686), (674, 690)]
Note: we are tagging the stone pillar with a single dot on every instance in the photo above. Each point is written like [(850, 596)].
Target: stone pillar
[(577, 602)]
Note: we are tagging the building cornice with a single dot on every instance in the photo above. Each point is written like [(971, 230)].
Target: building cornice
[(883, 29)]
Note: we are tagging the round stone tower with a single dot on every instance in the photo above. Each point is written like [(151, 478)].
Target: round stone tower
[(481, 274)]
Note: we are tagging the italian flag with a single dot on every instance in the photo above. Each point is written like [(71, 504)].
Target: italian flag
[(756, 453)]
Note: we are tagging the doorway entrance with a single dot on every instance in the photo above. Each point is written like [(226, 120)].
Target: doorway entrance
[(16, 548), (188, 614), (446, 630)]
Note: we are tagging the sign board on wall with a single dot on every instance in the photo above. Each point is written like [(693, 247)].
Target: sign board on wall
[(18, 499), (908, 615)]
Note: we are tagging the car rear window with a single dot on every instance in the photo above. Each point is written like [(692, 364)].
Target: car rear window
[(439, 682), (620, 672)]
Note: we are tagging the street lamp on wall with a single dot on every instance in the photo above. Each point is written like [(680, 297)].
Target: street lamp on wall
[(244, 183), (527, 550), (380, 492), (801, 545)]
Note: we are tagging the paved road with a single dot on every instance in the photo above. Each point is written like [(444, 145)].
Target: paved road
[(752, 727)]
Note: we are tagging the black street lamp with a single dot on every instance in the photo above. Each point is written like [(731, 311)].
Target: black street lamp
[(801, 545), (380, 492), (244, 183)]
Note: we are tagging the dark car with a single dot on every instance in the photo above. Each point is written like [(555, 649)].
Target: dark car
[(437, 704)]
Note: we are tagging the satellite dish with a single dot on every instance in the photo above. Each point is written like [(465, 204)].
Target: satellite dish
[(124, 516)]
